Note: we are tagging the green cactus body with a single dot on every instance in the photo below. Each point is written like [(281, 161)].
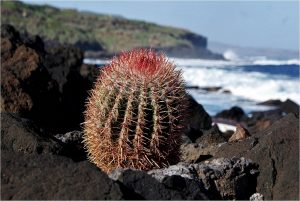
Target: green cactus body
[(135, 113)]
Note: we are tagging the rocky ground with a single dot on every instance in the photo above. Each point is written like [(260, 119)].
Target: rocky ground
[(43, 90)]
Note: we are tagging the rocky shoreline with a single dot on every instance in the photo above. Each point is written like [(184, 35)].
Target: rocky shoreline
[(43, 92)]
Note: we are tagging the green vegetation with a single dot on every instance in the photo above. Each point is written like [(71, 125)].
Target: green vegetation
[(70, 26)]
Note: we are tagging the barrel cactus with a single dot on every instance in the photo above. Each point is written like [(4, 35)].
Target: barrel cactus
[(135, 113)]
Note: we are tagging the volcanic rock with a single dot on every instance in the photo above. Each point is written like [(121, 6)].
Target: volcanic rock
[(262, 120), (144, 185), (276, 151), (25, 83), (257, 197), (60, 60), (287, 106), (239, 134), (211, 137), (235, 113), (49, 86), (73, 137), (271, 102), (50, 177), (198, 120), (211, 89), (64, 63), (21, 135), (290, 106), (197, 152), (204, 147), (226, 91), (73, 145), (218, 179), (32, 168)]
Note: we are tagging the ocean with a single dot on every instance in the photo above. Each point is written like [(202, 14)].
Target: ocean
[(247, 81)]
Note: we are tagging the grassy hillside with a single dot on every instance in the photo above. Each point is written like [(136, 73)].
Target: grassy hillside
[(94, 31)]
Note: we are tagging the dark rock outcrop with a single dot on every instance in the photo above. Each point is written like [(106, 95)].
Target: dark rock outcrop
[(53, 177), (146, 186), (198, 49), (89, 45), (271, 102), (195, 153), (21, 135), (218, 179), (64, 64), (235, 113), (25, 83), (73, 145), (211, 89), (240, 134), (73, 137), (197, 40), (290, 106), (202, 139), (287, 106), (49, 86), (60, 60), (32, 167), (276, 151), (262, 120), (212, 136), (198, 120), (187, 51)]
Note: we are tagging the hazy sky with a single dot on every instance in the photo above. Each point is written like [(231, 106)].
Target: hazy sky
[(272, 24)]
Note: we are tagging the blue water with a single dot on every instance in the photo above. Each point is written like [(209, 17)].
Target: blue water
[(248, 82), (291, 70)]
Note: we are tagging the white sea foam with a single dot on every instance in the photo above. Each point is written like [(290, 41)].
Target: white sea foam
[(234, 61), (201, 62), (225, 127), (217, 101), (247, 88), (231, 55), (276, 62), (250, 85), (254, 86), (95, 61)]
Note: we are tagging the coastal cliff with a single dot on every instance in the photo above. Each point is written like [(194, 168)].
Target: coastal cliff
[(102, 35)]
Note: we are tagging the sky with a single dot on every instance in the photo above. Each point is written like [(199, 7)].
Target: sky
[(266, 24)]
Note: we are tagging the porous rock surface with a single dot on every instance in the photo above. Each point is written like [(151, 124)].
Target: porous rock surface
[(21, 135), (257, 197), (235, 113), (240, 134), (218, 179), (33, 167), (276, 151), (48, 85), (46, 177), (25, 84), (72, 137), (211, 136), (194, 152), (197, 120)]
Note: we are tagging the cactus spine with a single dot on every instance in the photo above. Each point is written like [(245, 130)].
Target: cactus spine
[(135, 113)]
